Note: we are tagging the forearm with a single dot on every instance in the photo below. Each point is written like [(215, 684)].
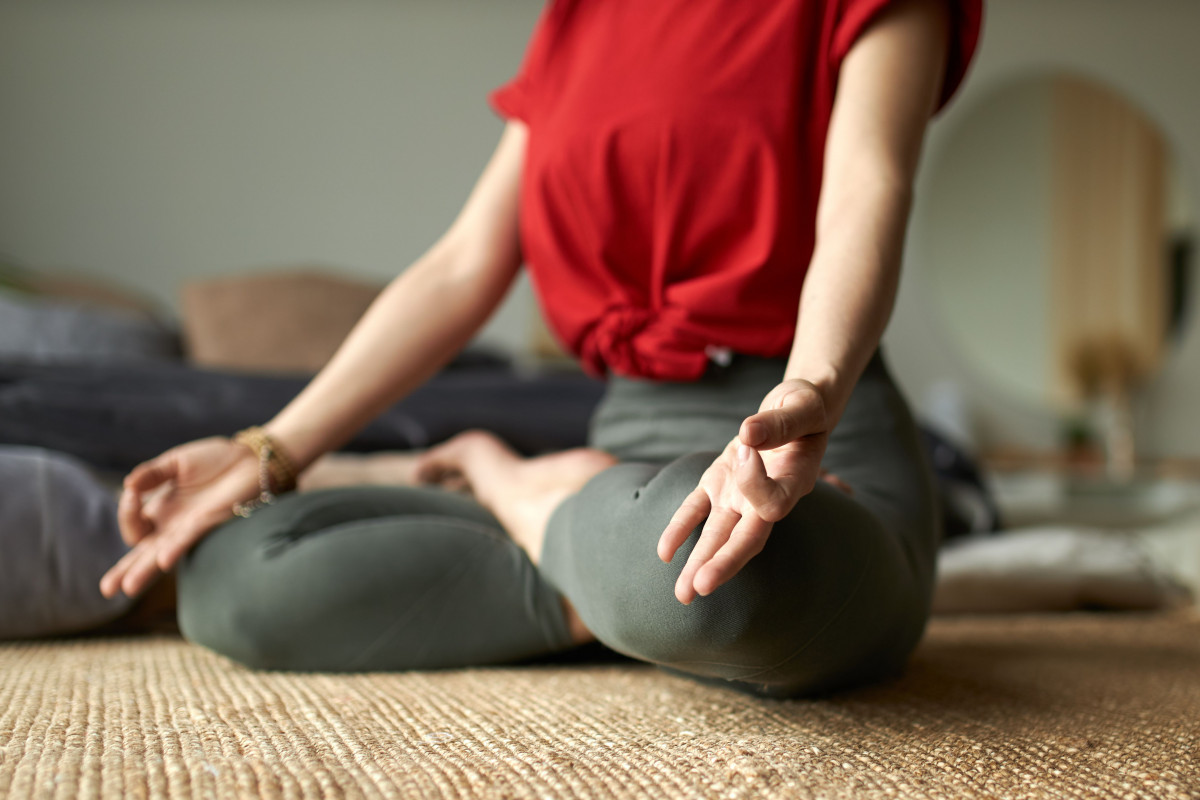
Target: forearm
[(421, 320), (850, 288), (888, 88), (417, 324)]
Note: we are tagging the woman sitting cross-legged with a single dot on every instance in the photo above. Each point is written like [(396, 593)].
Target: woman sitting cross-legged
[(711, 197)]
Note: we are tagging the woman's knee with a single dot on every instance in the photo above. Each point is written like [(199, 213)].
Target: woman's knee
[(219, 603), (300, 588), (828, 590), (236, 589), (835, 605), (232, 597), (243, 592)]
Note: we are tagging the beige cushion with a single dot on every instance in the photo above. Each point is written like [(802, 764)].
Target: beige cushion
[(283, 321)]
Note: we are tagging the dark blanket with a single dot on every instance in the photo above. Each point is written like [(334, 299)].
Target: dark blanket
[(114, 417)]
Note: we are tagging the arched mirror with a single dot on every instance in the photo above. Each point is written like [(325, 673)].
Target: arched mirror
[(1062, 247)]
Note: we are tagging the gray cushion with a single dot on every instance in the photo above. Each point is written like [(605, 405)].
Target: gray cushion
[(58, 536), (41, 331)]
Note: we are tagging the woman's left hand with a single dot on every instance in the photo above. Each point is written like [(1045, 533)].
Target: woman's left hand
[(756, 481)]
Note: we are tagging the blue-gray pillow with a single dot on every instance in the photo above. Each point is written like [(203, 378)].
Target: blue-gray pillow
[(39, 331)]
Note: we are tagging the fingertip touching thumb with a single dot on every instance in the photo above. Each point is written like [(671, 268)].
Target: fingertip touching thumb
[(753, 432), (766, 429)]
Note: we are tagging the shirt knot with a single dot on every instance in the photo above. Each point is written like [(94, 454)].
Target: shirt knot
[(639, 342)]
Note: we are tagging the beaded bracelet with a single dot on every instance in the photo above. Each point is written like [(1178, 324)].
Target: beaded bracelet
[(276, 471)]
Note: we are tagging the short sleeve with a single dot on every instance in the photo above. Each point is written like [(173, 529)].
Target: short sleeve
[(515, 99), (966, 20)]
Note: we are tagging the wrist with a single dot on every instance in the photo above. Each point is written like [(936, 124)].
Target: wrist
[(278, 471), (299, 446), (830, 383), (826, 377)]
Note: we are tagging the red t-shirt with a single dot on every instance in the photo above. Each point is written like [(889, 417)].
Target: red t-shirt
[(669, 195)]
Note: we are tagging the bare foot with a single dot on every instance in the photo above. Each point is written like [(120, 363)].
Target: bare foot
[(521, 492), (371, 469)]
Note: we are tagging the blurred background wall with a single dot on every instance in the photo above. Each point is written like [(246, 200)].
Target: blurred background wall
[(157, 142), (153, 143), (1144, 51)]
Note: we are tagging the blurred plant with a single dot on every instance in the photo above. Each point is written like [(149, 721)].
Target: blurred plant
[(12, 277), (1077, 434)]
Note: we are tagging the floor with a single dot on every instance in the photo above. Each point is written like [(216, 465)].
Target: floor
[(1073, 705)]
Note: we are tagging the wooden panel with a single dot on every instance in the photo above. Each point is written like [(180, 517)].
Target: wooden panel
[(1108, 243)]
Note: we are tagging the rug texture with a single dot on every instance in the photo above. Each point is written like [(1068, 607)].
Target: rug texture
[(1078, 706)]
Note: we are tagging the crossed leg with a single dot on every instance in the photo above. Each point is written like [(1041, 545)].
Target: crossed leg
[(523, 493)]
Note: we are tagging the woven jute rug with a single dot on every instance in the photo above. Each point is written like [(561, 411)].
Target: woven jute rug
[(1085, 706)]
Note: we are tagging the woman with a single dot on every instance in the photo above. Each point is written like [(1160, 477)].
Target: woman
[(711, 197)]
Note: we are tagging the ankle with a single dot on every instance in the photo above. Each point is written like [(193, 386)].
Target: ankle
[(579, 632)]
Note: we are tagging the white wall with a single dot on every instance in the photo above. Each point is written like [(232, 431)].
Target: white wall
[(1147, 51), (153, 142), (989, 263)]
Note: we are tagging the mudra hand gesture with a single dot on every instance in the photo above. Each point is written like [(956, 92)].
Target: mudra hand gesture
[(756, 481), (171, 502)]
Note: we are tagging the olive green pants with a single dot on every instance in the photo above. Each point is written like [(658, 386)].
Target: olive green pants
[(414, 578)]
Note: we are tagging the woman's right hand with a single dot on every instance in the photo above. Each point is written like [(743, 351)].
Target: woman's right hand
[(171, 502)]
